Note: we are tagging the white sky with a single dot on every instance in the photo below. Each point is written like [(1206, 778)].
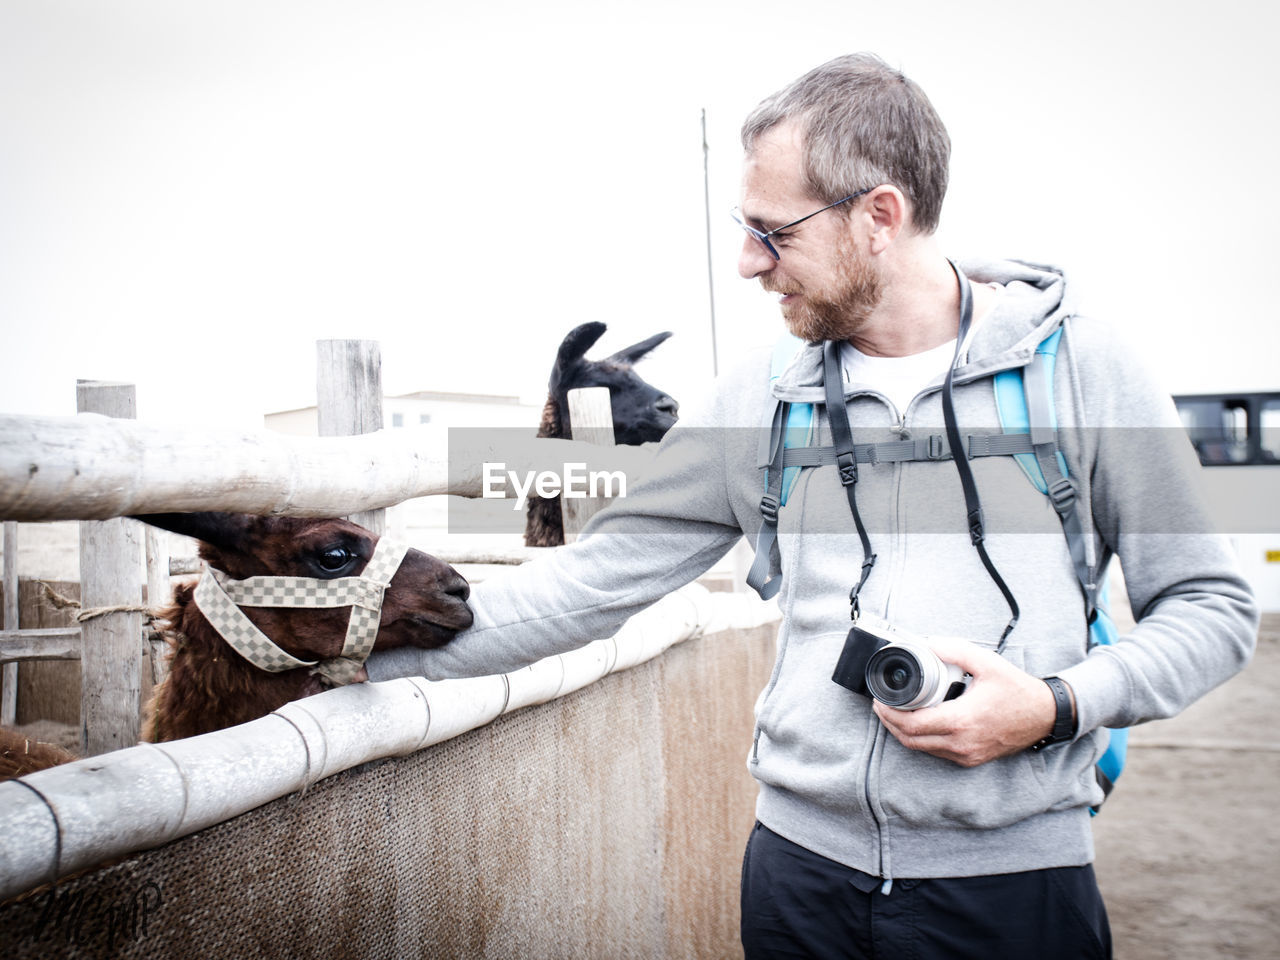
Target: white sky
[(192, 194)]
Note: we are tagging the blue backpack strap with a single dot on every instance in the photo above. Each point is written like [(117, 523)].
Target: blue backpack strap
[(1025, 401), (797, 426), (787, 425), (1011, 399), (1102, 630), (761, 577)]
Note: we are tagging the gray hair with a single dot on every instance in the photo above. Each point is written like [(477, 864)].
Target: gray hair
[(863, 124)]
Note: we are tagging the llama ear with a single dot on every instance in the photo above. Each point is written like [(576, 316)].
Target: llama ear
[(573, 349), (579, 340), (222, 530), (633, 353)]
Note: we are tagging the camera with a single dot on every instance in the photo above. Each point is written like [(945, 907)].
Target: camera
[(896, 668)]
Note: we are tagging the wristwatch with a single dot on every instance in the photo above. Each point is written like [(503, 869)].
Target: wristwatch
[(1064, 724)]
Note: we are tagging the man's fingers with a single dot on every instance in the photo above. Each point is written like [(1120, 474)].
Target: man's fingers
[(939, 721), (926, 731), (968, 656)]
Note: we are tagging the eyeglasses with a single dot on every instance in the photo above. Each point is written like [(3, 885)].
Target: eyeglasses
[(764, 237)]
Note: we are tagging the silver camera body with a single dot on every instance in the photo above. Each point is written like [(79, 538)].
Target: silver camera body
[(897, 668)]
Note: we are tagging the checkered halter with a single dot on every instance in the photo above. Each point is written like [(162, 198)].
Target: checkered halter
[(219, 598)]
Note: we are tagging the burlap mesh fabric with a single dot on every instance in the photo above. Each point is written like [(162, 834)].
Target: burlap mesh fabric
[(606, 824)]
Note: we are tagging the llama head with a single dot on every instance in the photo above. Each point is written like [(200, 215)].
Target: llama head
[(641, 412), (424, 603)]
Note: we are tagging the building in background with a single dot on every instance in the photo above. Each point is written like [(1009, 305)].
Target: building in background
[(426, 407)]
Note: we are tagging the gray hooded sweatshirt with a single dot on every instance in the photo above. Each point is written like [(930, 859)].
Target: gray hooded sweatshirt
[(831, 778)]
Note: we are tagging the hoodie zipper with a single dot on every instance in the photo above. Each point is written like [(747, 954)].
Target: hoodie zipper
[(871, 786)]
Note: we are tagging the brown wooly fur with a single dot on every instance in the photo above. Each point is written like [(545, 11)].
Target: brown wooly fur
[(20, 755), (641, 412), (210, 686)]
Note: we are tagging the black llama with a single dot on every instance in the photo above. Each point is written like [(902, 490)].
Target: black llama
[(641, 412)]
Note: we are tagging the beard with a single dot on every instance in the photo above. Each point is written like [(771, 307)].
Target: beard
[(841, 310)]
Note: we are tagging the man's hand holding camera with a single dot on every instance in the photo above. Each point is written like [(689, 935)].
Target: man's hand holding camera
[(1003, 710)]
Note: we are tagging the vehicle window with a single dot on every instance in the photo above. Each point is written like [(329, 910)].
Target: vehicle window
[(1269, 422), (1219, 429)]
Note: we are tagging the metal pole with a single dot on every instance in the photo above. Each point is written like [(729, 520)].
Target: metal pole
[(711, 289)]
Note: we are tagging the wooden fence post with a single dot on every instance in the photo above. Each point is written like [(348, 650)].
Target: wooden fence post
[(159, 592), (591, 420), (111, 644), (349, 399), (9, 683)]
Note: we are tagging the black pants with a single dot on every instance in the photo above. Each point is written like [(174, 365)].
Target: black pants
[(796, 903)]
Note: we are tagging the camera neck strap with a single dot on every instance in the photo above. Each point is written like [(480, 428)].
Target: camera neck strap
[(973, 506), (847, 461)]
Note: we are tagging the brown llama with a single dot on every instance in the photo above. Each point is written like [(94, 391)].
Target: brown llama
[(641, 413), (210, 685)]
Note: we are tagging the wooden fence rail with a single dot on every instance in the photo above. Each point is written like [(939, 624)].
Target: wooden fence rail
[(90, 467)]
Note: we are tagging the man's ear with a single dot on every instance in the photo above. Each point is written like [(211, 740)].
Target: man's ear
[(887, 210)]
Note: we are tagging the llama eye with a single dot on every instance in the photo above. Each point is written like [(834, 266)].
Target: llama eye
[(333, 559)]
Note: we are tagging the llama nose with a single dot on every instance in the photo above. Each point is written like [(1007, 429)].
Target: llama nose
[(667, 405), (457, 586)]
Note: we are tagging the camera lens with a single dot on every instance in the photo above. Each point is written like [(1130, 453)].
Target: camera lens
[(894, 676)]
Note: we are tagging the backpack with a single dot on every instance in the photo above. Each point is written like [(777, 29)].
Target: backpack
[(1024, 398)]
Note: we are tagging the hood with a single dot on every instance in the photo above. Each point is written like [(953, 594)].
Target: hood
[(1034, 302)]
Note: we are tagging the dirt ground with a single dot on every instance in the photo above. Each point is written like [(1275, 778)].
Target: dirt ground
[(1187, 844)]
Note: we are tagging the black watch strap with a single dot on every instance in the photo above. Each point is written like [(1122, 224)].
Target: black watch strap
[(1064, 727)]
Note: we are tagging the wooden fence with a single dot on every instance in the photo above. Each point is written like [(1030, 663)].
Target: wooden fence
[(102, 465), (472, 854)]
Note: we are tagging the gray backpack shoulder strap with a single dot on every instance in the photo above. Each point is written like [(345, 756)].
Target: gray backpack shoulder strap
[(1042, 425)]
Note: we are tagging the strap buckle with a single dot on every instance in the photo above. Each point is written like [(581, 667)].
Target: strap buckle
[(847, 464), (976, 534), (867, 564), (1062, 494), (937, 449), (769, 509)]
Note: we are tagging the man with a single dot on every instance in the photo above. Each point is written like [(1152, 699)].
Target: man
[(883, 832)]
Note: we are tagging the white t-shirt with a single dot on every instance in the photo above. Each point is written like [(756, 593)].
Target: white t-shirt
[(900, 378)]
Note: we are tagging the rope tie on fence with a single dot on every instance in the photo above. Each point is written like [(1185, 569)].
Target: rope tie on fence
[(62, 602), (93, 612)]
